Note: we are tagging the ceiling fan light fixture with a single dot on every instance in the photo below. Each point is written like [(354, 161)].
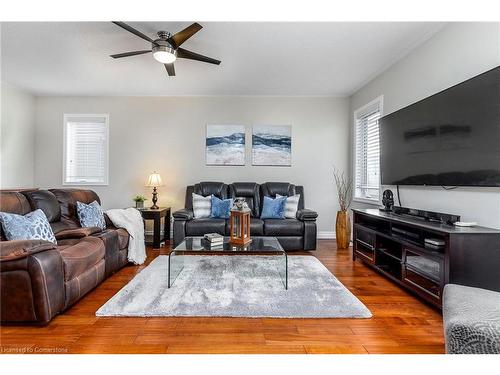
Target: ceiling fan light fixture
[(164, 54), (167, 47)]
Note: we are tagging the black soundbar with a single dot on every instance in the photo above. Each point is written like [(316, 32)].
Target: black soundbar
[(439, 217)]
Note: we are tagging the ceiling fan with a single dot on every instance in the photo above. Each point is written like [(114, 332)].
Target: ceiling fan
[(167, 47)]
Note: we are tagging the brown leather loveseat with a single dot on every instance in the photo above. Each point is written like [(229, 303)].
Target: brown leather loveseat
[(39, 279)]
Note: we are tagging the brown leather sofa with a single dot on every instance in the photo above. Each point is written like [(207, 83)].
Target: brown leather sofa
[(39, 279)]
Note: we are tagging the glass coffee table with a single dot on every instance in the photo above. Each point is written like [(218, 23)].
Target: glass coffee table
[(259, 246)]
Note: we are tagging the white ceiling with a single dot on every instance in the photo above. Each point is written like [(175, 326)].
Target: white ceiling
[(293, 58)]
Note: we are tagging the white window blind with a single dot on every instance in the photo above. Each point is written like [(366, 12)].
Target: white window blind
[(367, 151), (85, 150)]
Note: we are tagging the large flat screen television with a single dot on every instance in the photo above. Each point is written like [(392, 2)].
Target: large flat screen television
[(451, 138)]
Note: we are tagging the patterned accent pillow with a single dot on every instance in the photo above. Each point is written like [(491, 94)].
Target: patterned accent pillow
[(221, 208), (202, 206), (273, 208), (32, 226), (90, 215), (291, 205)]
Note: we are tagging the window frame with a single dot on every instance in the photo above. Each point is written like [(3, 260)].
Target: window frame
[(66, 116), (380, 101)]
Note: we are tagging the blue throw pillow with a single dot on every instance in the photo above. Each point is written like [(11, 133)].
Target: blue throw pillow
[(273, 208), (32, 226), (221, 208), (90, 215)]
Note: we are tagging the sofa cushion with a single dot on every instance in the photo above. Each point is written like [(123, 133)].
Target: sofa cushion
[(59, 226), (221, 208), (81, 256), (46, 201), (90, 215), (271, 189), (13, 202), (291, 206), (219, 189), (283, 227), (32, 226), (202, 206), (67, 200), (205, 189), (256, 227), (273, 208), (250, 191), (199, 227)]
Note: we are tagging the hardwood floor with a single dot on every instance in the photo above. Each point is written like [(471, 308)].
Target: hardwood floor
[(400, 323)]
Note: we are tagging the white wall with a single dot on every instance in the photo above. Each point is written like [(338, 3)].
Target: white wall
[(167, 134), (456, 53), (17, 138)]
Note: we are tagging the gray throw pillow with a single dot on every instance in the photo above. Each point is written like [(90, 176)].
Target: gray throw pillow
[(202, 206), (291, 206), (32, 226), (90, 215)]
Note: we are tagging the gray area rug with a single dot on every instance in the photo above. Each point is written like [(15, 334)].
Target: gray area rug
[(236, 286)]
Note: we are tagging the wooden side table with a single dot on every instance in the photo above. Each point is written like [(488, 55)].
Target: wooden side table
[(156, 215)]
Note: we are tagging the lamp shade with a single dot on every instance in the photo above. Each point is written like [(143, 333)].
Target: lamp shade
[(154, 180)]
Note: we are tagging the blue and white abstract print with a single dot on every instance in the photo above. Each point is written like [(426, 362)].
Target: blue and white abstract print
[(272, 145), (225, 145)]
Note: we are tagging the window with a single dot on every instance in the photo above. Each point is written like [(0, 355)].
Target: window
[(367, 152), (85, 150)]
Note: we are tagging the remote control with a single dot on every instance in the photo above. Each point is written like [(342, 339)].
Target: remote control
[(465, 223)]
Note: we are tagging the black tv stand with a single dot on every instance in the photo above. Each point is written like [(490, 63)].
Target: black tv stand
[(395, 245)]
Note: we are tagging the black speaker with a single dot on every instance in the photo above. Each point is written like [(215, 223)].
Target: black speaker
[(438, 217)]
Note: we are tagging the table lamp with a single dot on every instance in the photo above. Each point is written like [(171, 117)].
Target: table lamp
[(154, 181)]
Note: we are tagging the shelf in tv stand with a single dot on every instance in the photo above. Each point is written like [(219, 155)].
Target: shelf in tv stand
[(394, 238), (389, 254)]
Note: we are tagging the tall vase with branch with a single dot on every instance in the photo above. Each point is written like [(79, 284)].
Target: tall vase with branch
[(343, 222)]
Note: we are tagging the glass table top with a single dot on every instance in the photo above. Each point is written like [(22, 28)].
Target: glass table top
[(258, 245)]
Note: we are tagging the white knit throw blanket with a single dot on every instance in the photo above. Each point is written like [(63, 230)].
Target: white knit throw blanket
[(131, 220)]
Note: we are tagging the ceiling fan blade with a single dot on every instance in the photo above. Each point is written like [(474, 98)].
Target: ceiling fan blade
[(185, 54), (130, 29), (183, 35), (170, 69), (133, 53)]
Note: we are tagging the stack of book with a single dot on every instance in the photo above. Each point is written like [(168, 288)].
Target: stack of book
[(213, 241)]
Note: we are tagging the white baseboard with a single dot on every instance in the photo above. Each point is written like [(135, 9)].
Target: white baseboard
[(322, 235), (325, 235), (150, 233)]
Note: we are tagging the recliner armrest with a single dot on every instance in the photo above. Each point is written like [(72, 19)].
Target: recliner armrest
[(76, 233), (11, 250), (307, 215), (183, 214)]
